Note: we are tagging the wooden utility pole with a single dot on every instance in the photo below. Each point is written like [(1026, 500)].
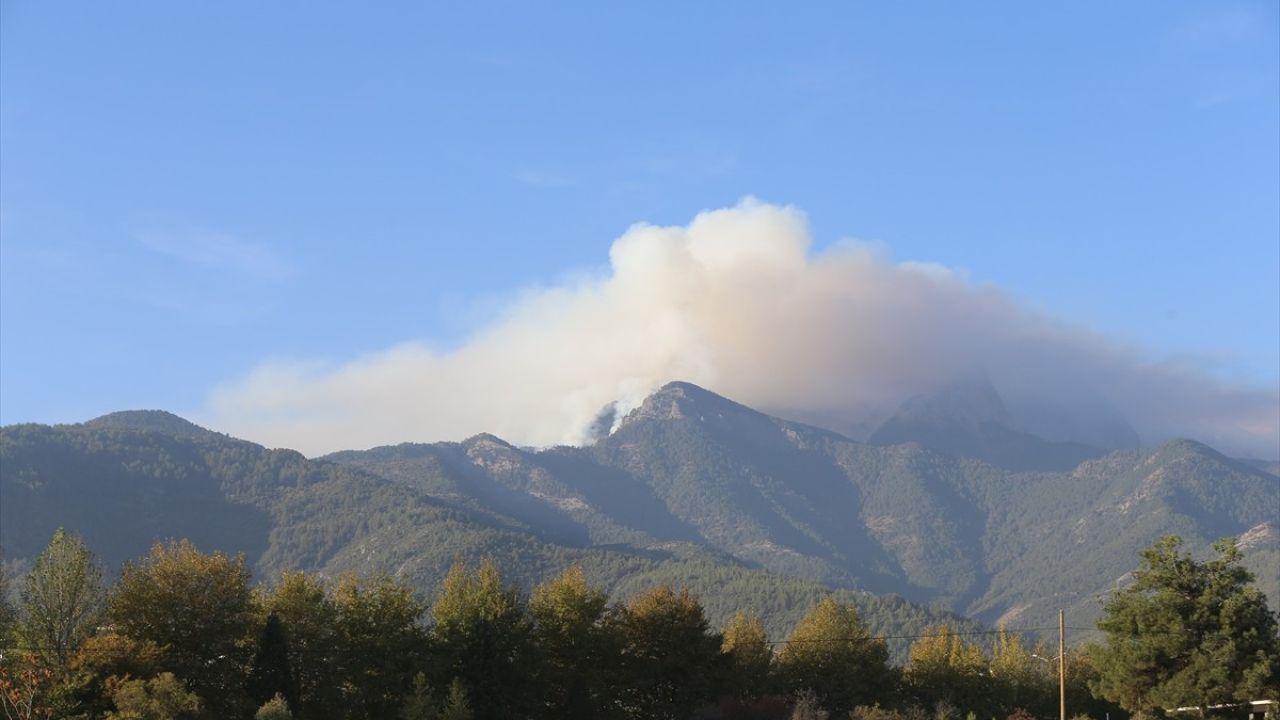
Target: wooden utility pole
[(1062, 665)]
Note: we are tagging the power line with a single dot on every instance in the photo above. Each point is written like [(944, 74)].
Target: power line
[(1018, 631)]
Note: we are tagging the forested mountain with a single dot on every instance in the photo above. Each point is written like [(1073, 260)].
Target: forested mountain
[(748, 510), (128, 479), (691, 466)]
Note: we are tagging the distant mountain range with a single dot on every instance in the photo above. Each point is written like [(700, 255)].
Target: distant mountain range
[(948, 506)]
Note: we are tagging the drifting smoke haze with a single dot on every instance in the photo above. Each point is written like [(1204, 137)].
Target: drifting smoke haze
[(736, 302)]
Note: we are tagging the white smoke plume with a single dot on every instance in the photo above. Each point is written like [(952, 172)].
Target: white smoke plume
[(735, 302)]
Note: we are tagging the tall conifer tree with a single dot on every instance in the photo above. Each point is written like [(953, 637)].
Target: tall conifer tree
[(1188, 633)]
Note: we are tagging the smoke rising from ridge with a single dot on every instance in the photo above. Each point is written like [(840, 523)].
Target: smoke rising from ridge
[(735, 302)]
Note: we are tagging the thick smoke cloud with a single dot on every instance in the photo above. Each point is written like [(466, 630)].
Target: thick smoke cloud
[(736, 302)]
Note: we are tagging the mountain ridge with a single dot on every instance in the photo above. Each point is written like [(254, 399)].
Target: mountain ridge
[(923, 517), (687, 470), (125, 488)]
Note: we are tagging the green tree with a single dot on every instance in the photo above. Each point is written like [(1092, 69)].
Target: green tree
[(381, 644), (480, 636), (746, 646), (832, 653), (456, 706), (197, 608), (1187, 633), (670, 661), (309, 617), (573, 646), (420, 703), (163, 697), (62, 600)]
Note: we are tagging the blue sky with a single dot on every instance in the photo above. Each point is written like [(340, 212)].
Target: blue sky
[(188, 190)]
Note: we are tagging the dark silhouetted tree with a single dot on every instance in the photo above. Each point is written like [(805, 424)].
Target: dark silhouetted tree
[(271, 674)]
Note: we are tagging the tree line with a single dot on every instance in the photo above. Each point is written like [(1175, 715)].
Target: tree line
[(184, 634)]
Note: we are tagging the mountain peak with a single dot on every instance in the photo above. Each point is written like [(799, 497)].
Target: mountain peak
[(1185, 444), (1188, 449), (967, 403), (969, 419), (159, 421), (693, 393), (673, 401), (953, 414), (679, 399), (486, 440)]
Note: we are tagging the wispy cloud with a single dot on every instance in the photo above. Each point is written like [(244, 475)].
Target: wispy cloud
[(219, 251)]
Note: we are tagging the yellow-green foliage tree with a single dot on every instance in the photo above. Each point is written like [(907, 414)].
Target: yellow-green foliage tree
[(381, 644), (101, 663), (945, 668), (163, 697), (199, 610), (574, 650), (480, 636), (310, 618), (833, 654), (1022, 679), (277, 708), (750, 657), (669, 657)]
